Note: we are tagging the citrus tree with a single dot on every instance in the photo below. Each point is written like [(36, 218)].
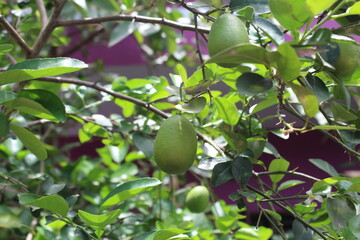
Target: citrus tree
[(235, 66)]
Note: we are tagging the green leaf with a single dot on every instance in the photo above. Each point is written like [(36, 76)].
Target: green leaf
[(47, 100), (241, 53), (340, 210), (225, 223), (41, 67), (260, 6), (5, 48), (208, 163), (6, 96), (236, 140), (340, 113), (256, 145), (221, 173), (269, 101), (307, 99), (298, 229), (346, 234), (53, 203), (165, 234), (128, 108), (81, 6), (292, 15), (241, 169), (289, 184), (353, 10), (325, 183), (343, 89), (9, 220), (138, 83), (252, 84), (318, 87), (195, 105), (274, 214), (144, 143), (271, 30), (129, 3), (279, 164), (325, 166), (109, 5), (30, 141), (128, 190), (120, 32), (246, 14), (196, 80), (354, 225), (33, 108), (4, 125), (227, 110), (286, 60), (181, 71), (319, 6), (355, 187), (320, 36), (96, 221)]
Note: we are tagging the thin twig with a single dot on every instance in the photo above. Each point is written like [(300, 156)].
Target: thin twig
[(127, 98), (48, 29), (194, 11), (198, 46), (325, 19), (124, 17), (15, 35), (289, 211), (289, 173), (83, 42), (283, 198), (277, 227), (10, 58), (343, 145), (42, 10)]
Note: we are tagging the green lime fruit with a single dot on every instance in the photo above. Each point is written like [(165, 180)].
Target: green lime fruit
[(197, 199), (175, 145), (349, 59), (226, 32)]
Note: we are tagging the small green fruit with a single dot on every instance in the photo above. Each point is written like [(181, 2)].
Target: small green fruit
[(349, 59), (226, 32), (197, 199), (344, 56), (175, 145)]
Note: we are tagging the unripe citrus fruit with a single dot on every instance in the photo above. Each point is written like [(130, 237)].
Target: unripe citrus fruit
[(349, 59), (226, 32), (197, 199), (175, 145)]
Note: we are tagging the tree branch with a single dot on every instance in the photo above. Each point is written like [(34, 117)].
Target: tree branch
[(289, 173), (287, 210), (82, 42), (42, 10), (126, 98), (48, 29), (343, 145), (194, 11), (15, 35), (124, 17)]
